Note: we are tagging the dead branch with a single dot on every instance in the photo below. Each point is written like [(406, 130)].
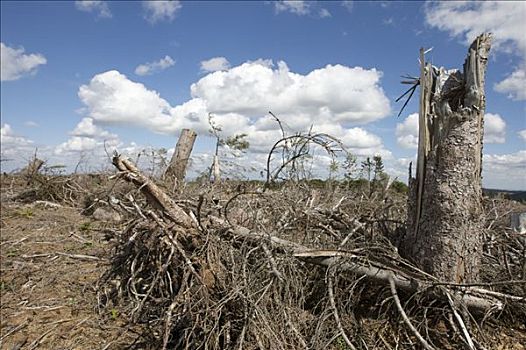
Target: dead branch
[(155, 196), (417, 334)]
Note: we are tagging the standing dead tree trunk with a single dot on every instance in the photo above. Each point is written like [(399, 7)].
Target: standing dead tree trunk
[(444, 224), (179, 162), (215, 169)]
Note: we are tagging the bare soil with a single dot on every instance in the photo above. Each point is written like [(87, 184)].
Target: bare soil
[(51, 258)]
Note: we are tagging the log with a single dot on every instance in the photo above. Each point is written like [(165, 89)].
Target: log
[(476, 299), (154, 195), (179, 162)]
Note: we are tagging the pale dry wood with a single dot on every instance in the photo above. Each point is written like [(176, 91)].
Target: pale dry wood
[(474, 298), (215, 171), (154, 195), (420, 161), (179, 161), (406, 319)]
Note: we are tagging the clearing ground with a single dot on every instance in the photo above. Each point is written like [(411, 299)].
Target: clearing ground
[(52, 257)]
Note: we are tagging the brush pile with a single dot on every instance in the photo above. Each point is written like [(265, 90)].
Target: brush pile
[(237, 266)]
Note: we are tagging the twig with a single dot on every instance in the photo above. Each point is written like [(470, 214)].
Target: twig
[(329, 278), (80, 256), (486, 284), (460, 322), (272, 262), (358, 226), (13, 330), (424, 343), (40, 339)]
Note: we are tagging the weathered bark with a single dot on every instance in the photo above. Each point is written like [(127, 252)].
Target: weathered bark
[(445, 223), (177, 167), (154, 195)]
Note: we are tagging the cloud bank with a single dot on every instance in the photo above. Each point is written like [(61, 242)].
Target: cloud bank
[(15, 64), (334, 99)]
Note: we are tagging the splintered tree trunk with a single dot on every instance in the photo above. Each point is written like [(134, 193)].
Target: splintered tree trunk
[(177, 167), (445, 217)]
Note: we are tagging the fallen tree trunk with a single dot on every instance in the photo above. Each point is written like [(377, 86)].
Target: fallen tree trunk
[(154, 195), (476, 299)]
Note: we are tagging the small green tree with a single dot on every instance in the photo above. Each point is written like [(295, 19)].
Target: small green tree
[(236, 142), (380, 177), (350, 166), (367, 168), (378, 165), (400, 187), (367, 171)]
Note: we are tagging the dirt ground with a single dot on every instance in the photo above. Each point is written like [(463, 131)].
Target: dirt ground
[(51, 258)]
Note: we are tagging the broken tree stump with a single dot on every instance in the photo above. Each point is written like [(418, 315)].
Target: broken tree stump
[(179, 162), (445, 216)]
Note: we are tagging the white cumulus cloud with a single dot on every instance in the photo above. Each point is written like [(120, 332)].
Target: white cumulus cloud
[(157, 10), (76, 144), (348, 4), (155, 67), (505, 171), (214, 64), (86, 128), (514, 85), (15, 64), (112, 98), (407, 132), (9, 138), (334, 99), (15, 149), (505, 19), (296, 7), (87, 136), (494, 128), (506, 161), (99, 7), (522, 134), (335, 92)]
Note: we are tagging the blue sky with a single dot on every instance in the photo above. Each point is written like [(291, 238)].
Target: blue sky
[(78, 75)]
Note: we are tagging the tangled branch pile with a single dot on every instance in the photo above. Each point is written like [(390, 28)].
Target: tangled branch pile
[(291, 268)]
